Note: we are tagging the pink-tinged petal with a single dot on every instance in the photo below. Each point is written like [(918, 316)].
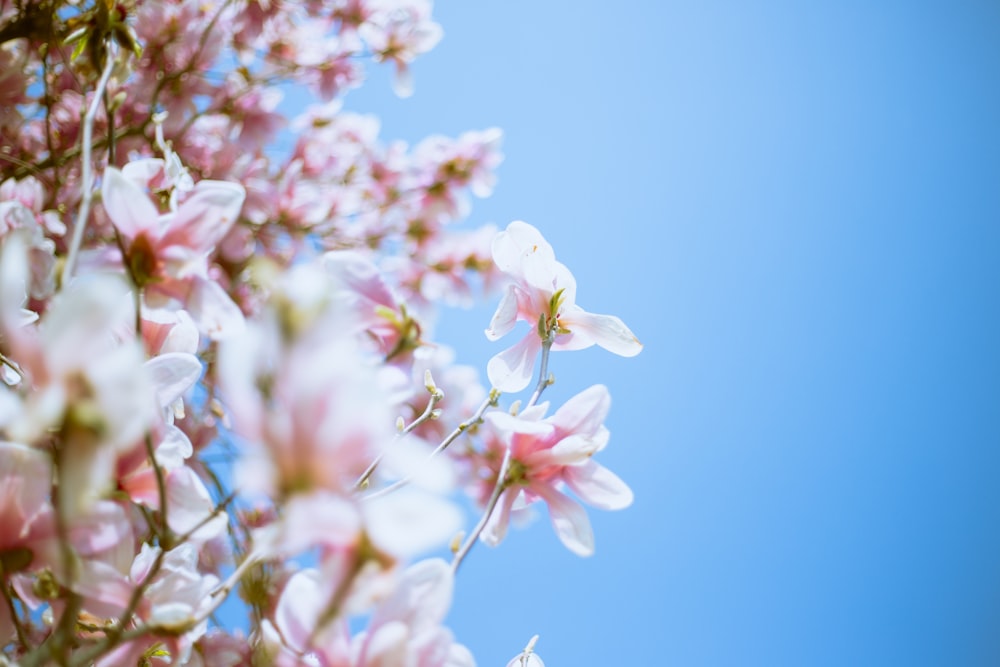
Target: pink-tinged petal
[(22, 463), (386, 646), (205, 216), (583, 414), (299, 608), (496, 526), (506, 315), (141, 486), (319, 518), (129, 208), (144, 170), (569, 520), (605, 330), (213, 311), (598, 487), (359, 274), (172, 374), (105, 590), (570, 451), (421, 599), (79, 323), (402, 82), (508, 424), (511, 370)]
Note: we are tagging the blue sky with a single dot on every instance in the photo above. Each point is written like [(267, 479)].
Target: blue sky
[(796, 207)]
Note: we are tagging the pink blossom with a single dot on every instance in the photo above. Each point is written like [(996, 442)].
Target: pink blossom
[(400, 30), (543, 294), (549, 454), (168, 253), (27, 524)]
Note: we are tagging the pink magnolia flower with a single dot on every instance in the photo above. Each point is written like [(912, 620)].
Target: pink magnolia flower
[(543, 294), (405, 630), (400, 30), (549, 454), (168, 254), (175, 603)]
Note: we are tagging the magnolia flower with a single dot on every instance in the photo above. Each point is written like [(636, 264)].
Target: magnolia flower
[(544, 295), (168, 253), (548, 454)]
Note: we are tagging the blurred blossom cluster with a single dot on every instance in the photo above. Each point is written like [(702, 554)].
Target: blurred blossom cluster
[(220, 373)]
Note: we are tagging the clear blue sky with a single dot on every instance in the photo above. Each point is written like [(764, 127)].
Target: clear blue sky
[(796, 206)]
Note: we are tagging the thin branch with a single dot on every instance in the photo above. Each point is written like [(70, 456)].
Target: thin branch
[(88, 169), (543, 373), (428, 413), (475, 419), (498, 490)]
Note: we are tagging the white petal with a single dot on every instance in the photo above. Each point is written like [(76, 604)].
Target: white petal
[(189, 504), (599, 487), (496, 525), (506, 315), (569, 520), (172, 374), (606, 330), (584, 414), (213, 311), (127, 205), (511, 370)]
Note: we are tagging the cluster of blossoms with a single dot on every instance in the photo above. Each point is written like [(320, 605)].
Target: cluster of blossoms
[(219, 370)]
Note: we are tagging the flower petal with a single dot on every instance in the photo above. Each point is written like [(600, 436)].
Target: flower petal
[(213, 311), (521, 252), (511, 370), (127, 205), (172, 374), (205, 216), (496, 527), (598, 487), (606, 330), (506, 316), (583, 414), (569, 520)]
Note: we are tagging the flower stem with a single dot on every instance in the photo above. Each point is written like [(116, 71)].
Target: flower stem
[(88, 171), (498, 490), (543, 373)]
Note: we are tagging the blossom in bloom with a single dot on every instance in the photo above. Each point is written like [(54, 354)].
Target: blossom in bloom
[(544, 295), (174, 603), (400, 30), (168, 253), (405, 629), (549, 454)]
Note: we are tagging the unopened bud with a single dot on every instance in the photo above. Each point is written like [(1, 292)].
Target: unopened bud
[(117, 101)]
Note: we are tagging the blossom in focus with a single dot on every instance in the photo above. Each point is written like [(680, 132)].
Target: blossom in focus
[(543, 294), (548, 455)]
